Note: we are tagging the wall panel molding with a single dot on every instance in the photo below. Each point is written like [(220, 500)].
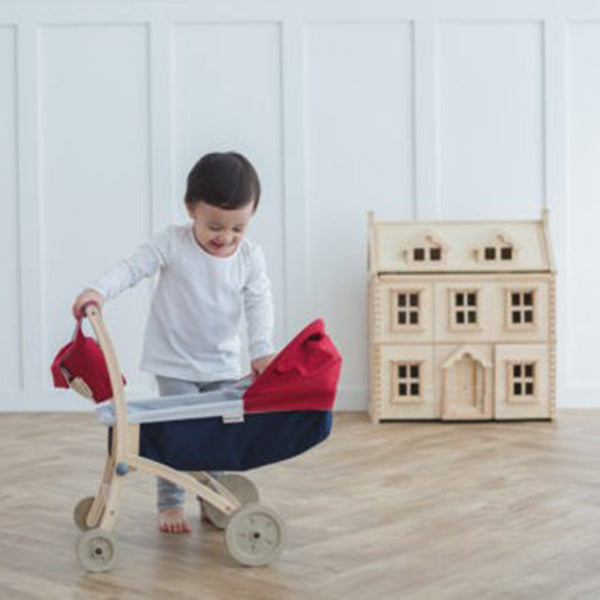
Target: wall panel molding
[(491, 117), (31, 210), (11, 375), (295, 208)]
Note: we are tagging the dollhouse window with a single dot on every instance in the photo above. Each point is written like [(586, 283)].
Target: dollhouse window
[(520, 309), (419, 254), (406, 312), (408, 308), (502, 253), (406, 381), (522, 381), (498, 249), (464, 309), (425, 250)]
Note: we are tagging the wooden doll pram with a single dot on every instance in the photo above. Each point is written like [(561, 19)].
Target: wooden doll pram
[(283, 412)]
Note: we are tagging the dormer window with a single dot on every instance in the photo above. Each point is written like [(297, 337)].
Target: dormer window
[(499, 250), (498, 253), (426, 250)]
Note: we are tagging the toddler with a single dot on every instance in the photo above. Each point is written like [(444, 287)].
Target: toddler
[(210, 274)]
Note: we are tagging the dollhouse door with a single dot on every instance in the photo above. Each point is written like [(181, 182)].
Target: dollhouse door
[(464, 393)]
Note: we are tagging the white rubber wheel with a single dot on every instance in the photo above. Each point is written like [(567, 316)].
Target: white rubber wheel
[(96, 550), (241, 487), (81, 511), (255, 535)]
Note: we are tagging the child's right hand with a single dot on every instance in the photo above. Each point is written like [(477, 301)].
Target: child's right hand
[(85, 297)]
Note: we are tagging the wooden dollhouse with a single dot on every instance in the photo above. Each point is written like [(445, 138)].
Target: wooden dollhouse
[(461, 320)]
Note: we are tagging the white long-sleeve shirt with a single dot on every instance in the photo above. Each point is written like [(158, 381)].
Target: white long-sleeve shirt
[(192, 331)]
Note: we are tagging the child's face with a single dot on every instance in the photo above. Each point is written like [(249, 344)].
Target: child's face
[(217, 230)]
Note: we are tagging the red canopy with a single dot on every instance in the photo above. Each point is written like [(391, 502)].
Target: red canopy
[(303, 376)]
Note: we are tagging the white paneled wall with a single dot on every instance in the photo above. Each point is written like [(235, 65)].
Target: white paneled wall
[(94, 169), (490, 109), (414, 109), (581, 281), (359, 157)]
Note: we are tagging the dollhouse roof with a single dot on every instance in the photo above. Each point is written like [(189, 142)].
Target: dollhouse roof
[(526, 246)]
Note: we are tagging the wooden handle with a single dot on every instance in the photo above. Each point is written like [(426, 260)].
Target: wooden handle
[(92, 312), (88, 305)]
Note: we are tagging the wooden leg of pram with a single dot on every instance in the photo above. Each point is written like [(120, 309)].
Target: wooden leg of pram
[(111, 492), (229, 485), (99, 504), (215, 484), (89, 510), (227, 504), (96, 545), (106, 503), (100, 500), (112, 481)]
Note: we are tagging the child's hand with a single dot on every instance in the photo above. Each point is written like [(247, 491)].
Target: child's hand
[(85, 297), (260, 364)]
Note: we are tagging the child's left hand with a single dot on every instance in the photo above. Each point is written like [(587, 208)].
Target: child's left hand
[(260, 364)]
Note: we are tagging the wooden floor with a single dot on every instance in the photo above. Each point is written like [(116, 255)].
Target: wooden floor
[(402, 511)]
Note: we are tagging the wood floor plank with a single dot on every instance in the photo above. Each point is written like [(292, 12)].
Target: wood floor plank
[(398, 510)]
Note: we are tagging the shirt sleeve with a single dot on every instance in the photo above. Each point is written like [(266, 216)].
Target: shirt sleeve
[(258, 307), (147, 259)]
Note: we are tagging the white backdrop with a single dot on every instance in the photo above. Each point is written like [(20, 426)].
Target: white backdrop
[(414, 109)]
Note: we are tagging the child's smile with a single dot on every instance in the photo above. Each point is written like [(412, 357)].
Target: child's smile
[(217, 230)]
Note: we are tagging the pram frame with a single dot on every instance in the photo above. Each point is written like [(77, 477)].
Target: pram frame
[(124, 458)]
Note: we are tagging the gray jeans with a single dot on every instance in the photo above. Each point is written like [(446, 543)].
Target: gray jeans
[(171, 495)]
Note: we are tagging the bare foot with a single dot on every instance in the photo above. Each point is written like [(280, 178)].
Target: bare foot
[(172, 520)]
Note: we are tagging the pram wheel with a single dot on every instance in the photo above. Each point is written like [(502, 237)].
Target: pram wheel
[(96, 550), (81, 511), (255, 535), (241, 487)]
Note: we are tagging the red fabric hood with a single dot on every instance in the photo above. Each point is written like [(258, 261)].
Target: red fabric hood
[(303, 376)]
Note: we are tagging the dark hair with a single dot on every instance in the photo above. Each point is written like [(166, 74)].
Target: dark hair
[(223, 179)]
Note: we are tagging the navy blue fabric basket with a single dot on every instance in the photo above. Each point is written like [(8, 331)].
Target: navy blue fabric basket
[(211, 445)]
